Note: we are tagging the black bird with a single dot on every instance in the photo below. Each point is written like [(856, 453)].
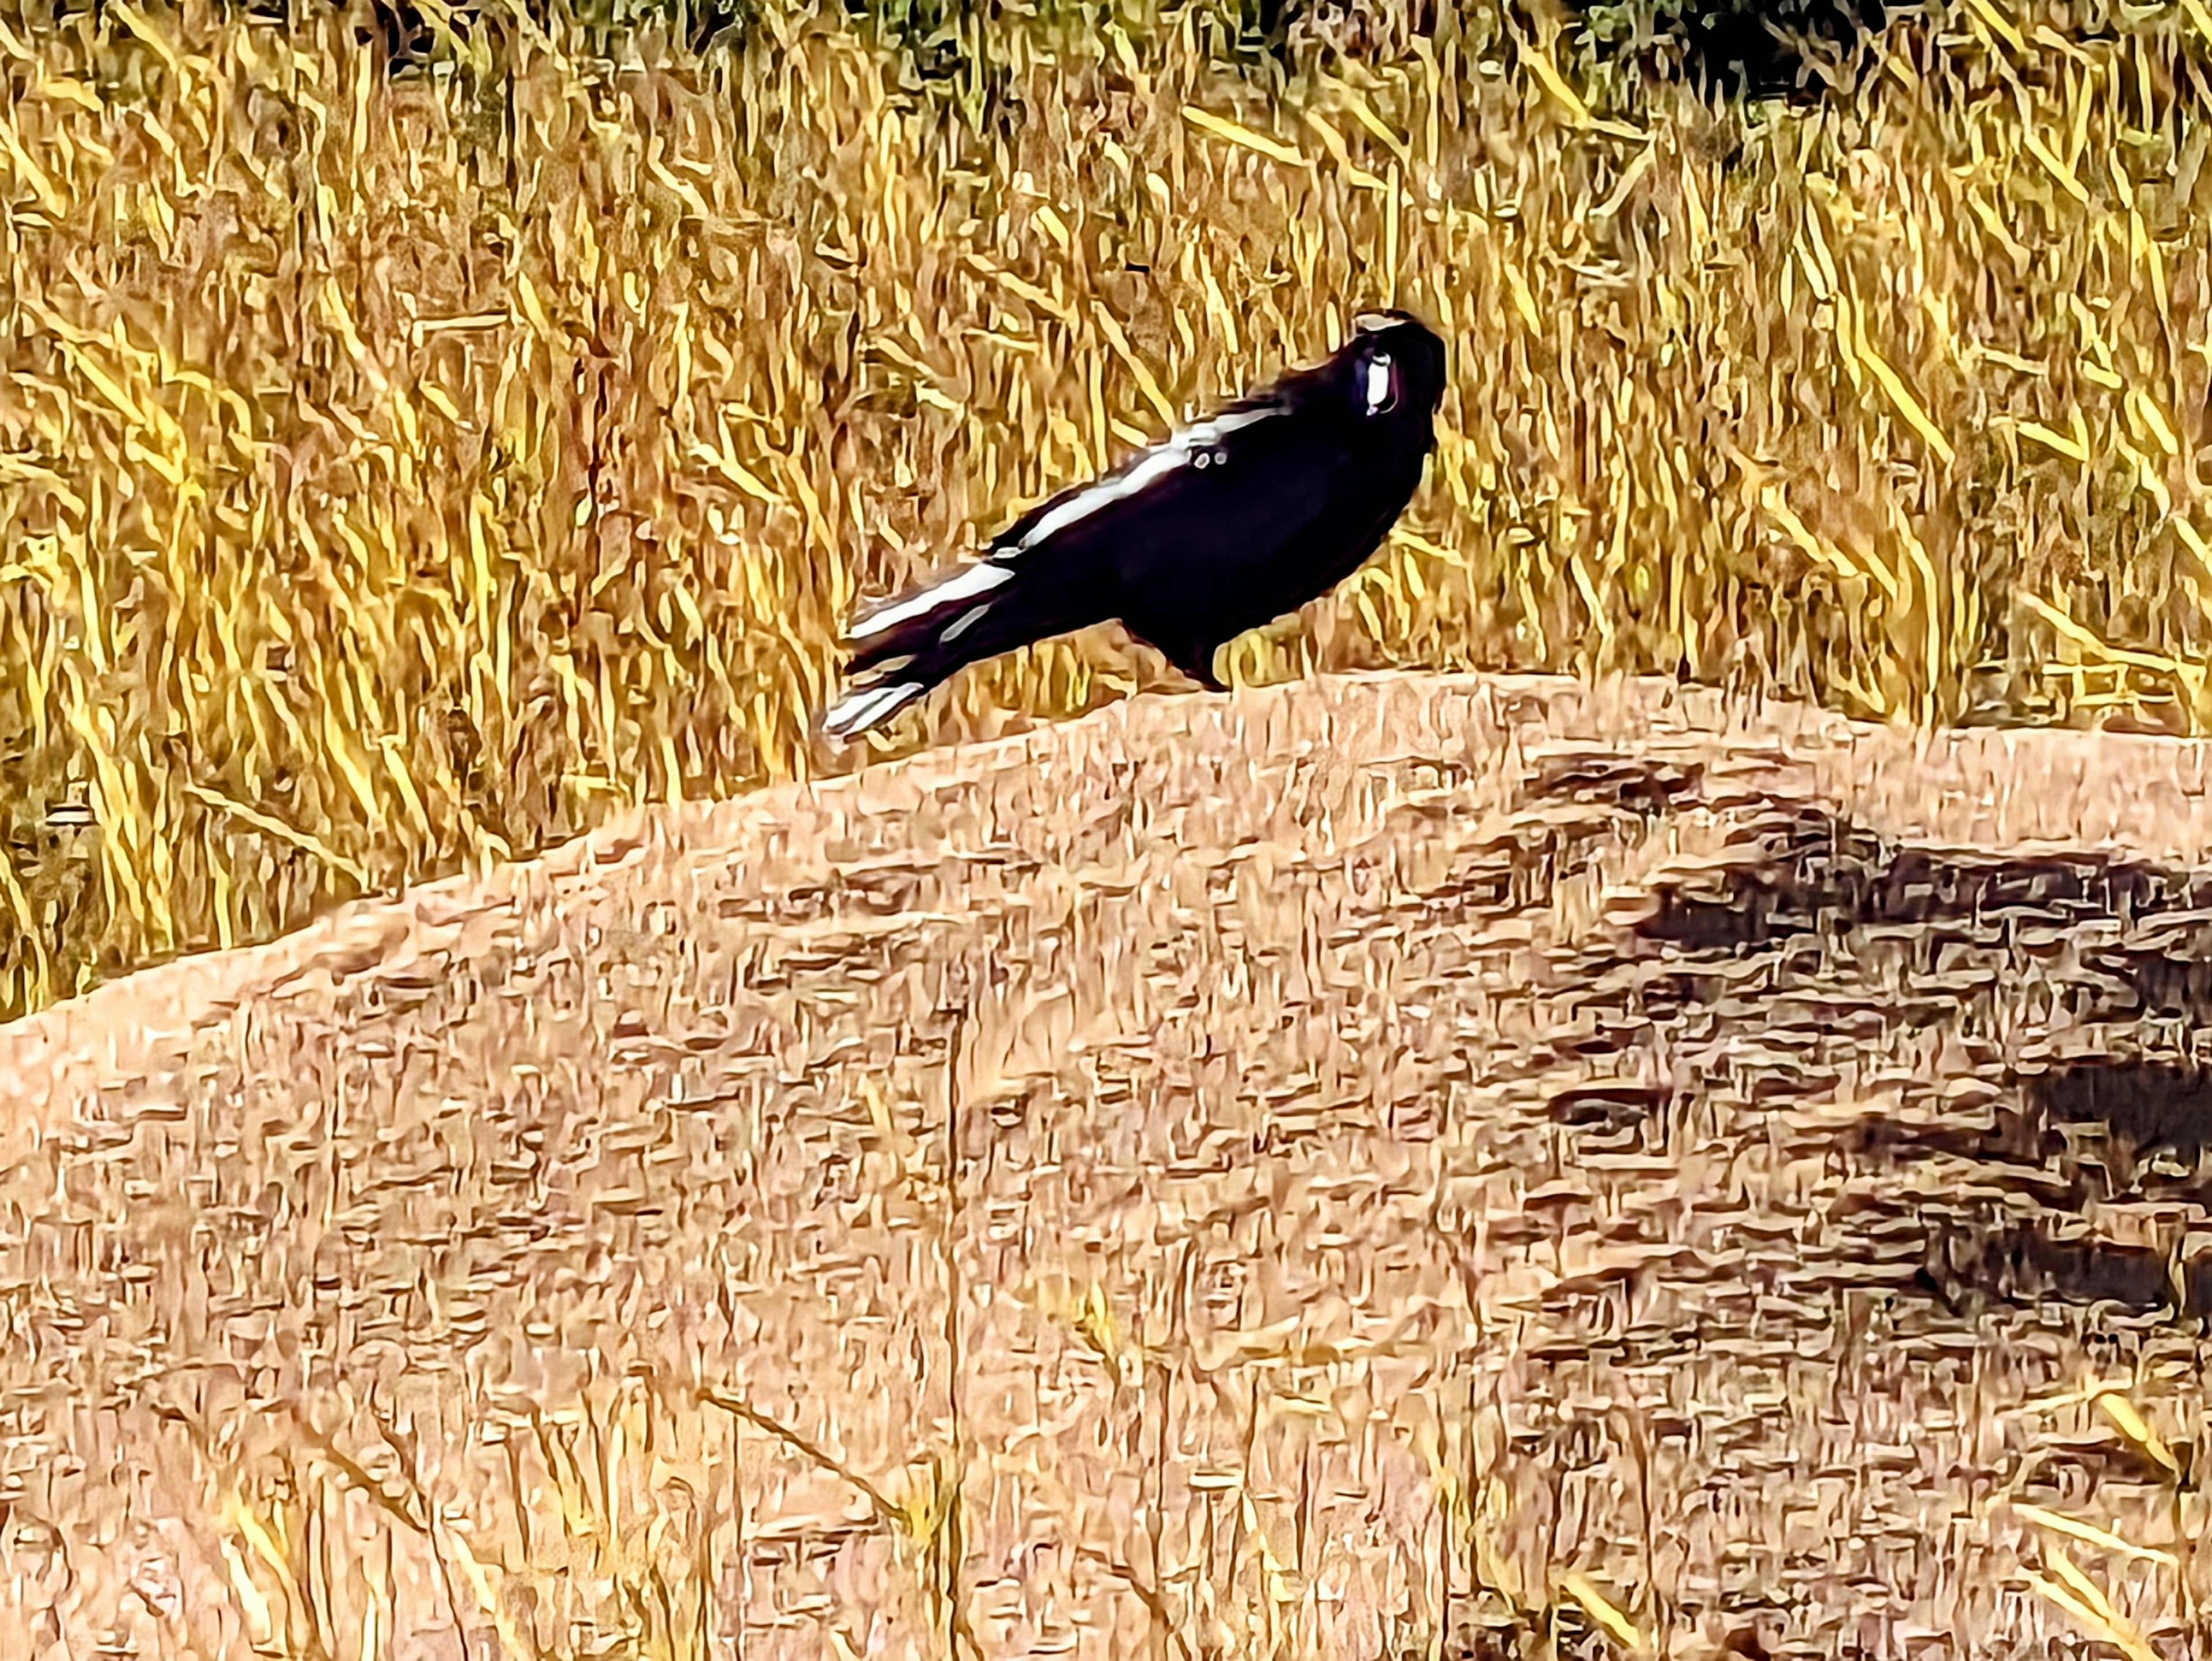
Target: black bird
[(1226, 524)]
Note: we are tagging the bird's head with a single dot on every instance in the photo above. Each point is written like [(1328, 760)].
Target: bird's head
[(1392, 368)]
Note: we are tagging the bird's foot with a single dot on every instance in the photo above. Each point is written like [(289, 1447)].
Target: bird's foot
[(1198, 666)]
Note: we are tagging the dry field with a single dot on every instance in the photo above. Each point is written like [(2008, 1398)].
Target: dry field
[(1384, 1166), (397, 477)]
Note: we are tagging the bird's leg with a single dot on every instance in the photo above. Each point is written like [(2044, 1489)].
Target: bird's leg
[(1197, 662), (1193, 658)]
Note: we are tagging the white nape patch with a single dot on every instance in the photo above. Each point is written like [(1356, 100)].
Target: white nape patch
[(980, 579), (863, 711), (1378, 384), (1172, 453), (965, 621)]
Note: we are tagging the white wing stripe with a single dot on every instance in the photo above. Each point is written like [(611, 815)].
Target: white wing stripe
[(962, 624), (1210, 432), (1157, 465), (977, 579), (1147, 470)]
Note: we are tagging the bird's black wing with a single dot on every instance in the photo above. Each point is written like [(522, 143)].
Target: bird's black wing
[(1142, 485), (1199, 509)]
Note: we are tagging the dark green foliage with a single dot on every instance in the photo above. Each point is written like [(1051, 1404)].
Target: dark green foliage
[(1759, 49)]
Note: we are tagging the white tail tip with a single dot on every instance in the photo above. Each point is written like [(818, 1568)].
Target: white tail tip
[(865, 711)]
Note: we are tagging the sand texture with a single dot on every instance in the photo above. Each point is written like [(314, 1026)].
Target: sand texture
[(1309, 1173)]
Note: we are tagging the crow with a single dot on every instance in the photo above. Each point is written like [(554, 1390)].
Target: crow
[(1224, 526)]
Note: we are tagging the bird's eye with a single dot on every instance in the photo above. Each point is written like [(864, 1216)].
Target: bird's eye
[(1381, 385)]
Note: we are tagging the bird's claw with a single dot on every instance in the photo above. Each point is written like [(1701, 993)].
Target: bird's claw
[(1196, 664)]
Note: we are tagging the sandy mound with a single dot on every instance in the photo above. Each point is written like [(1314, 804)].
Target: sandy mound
[(1310, 1173)]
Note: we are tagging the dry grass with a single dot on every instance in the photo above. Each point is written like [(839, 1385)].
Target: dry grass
[(397, 477)]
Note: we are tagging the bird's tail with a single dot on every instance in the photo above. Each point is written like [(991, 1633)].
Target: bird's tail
[(866, 708), (903, 649)]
